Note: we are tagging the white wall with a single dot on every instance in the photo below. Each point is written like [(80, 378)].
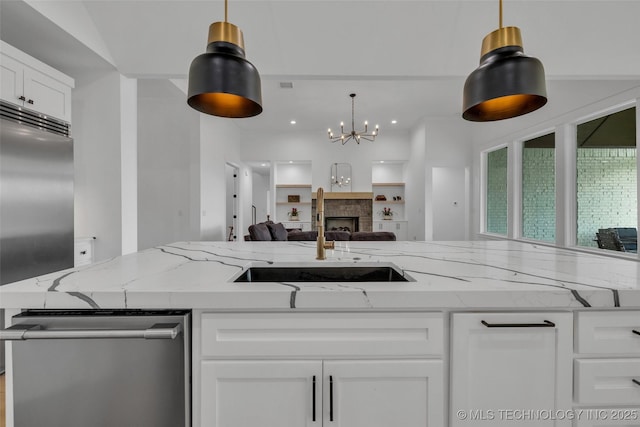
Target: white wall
[(448, 147), (96, 131), (388, 172), (129, 163), (316, 148), (167, 127), (415, 186), (261, 190), (292, 173), (220, 143)]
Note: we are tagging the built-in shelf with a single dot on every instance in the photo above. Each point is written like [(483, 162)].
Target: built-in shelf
[(283, 205), (293, 203), (389, 190), (344, 195), (293, 186), (388, 184)]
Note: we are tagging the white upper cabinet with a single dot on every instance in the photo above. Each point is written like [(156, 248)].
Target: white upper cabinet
[(29, 83)]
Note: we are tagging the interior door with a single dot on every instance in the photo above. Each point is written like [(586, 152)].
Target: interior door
[(450, 204)]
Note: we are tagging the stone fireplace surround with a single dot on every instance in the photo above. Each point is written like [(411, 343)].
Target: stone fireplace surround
[(338, 204)]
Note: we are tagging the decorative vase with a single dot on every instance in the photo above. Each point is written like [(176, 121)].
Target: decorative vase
[(387, 217), (294, 218)]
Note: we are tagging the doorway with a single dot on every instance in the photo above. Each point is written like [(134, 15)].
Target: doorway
[(450, 203)]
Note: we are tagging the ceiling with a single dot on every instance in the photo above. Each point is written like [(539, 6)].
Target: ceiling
[(405, 59)]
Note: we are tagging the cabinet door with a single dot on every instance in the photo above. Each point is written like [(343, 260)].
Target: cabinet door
[(11, 81), (503, 373), (261, 393), (47, 95), (383, 393)]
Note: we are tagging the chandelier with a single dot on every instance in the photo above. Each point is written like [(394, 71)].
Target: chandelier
[(356, 136)]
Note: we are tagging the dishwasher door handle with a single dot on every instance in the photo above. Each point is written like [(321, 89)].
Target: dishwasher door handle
[(25, 331)]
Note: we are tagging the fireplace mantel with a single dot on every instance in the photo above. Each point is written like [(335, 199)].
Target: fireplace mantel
[(336, 195)]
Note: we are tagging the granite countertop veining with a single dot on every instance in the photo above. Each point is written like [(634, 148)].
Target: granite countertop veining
[(474, 274)]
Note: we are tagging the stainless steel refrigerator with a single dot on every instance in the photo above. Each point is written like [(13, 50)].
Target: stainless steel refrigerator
[(36, 196)]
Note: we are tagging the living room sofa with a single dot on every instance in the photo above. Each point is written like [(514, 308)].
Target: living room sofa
[(270, 231)]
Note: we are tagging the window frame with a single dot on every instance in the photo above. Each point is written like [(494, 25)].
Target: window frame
[(485, 185), (518, 212), (565, 130)]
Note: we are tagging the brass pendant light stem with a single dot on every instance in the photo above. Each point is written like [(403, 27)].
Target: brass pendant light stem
[(500, 13), (353, 112), (226, 3)]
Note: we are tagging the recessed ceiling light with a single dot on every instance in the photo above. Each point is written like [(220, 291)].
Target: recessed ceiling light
[(393, 122), (381, 161), (290, 161), (263, 165), (293, 122)]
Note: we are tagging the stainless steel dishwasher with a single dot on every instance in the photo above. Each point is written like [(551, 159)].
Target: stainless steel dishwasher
[(101, 368)]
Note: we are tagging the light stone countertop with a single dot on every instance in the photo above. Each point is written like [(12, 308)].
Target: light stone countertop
[(474, 274)]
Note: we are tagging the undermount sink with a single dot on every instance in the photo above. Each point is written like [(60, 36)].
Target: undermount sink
[(332, 273)]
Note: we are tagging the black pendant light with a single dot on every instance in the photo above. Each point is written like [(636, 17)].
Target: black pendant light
[(221, 81), (507, 83)]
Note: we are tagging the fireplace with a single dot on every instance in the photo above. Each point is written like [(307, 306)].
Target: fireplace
[(341, 223), (349, 206)]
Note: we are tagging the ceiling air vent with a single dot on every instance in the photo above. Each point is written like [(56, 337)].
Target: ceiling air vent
[(286, 85)]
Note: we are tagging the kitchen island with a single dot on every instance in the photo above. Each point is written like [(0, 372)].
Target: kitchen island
[(474, 320)]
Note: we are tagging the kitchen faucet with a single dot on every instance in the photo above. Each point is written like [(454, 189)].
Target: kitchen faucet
[(321, 245)]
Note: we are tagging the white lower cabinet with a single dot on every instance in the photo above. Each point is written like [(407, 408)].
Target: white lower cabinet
[(261, 393), (607, 368), (383, 393), (319, 369), (511, 369), (399, 228), (353, 393)]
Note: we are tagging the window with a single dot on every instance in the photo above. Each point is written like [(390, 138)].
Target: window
[(539, 188), (497, 191), (606, 190)]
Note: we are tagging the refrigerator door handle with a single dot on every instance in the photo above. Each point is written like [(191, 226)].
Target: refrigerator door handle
[(36, 332)]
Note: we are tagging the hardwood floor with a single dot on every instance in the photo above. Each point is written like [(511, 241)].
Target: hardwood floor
[(2, 395)]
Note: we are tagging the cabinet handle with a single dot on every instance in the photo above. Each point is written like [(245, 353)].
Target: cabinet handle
[(313, 401), (635, 332), (546, 324), (30, 101), (22, 98), (331, 398), (24, 331), (636, 382)]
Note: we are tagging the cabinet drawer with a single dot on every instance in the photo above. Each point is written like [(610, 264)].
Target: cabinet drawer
[(322, 334), (607, 381), (607, 332)]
